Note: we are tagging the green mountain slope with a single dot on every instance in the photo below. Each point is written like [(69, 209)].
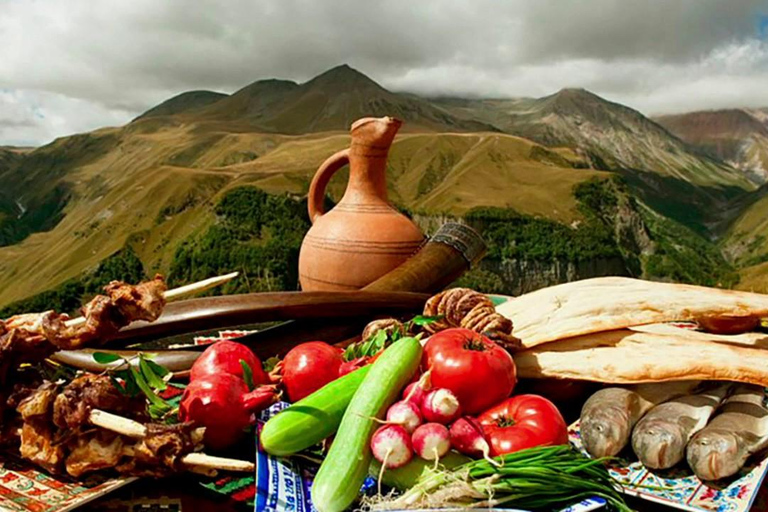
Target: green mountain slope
[(151, 185), (152, 190), (666, 173)]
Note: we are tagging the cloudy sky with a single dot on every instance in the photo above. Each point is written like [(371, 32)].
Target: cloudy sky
[(68, 66)]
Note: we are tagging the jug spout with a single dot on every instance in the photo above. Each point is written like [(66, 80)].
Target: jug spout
[(375, 131)]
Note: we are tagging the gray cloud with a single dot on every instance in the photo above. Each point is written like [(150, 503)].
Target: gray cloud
[(84, 64)]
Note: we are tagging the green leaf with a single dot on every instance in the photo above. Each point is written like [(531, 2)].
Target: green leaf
[(247, 375), (155, 381), (160, 371), (422, 320), (105, 357), (131, 389), (118, 386), (367, 348), (158, 412), (270, 363), (146, 389)]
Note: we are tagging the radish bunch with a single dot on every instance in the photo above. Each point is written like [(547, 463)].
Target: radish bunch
[(419, 424)]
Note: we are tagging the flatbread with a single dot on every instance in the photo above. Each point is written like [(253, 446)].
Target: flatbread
[(747, 339), (628, 357), (609, 303)]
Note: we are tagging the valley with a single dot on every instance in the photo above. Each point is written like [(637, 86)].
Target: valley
[(633, 196)]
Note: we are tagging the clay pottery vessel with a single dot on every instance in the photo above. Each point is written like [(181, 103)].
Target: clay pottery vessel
[(363, 237)]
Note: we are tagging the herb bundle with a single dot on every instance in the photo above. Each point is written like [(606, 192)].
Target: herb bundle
[(540, 478)]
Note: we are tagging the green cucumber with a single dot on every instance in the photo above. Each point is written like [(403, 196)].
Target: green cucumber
[(344, 469), (311, 419)]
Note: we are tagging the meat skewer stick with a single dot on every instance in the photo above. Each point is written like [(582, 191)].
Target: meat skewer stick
[(189, 289), (136, 430)]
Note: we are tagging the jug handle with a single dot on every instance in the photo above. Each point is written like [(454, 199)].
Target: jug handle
[(316, 196)]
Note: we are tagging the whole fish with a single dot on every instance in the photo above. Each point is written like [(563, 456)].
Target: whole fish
[(608, 416), (660, 437), (722, 448)]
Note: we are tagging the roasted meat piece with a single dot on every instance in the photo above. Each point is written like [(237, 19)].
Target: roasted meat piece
[(20, 345), (37, 432), (38, 446), (94, 451), (160, 452), (38, 402), (87, 392), (144, 301), (32, 337)]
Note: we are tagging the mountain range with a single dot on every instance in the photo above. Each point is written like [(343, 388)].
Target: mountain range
[(152, 183)]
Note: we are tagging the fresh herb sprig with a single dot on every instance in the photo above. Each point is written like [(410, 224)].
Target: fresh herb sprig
[(383, 338), (140, 375)]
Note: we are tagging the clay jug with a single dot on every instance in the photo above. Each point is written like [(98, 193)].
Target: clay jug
[(363, 237)]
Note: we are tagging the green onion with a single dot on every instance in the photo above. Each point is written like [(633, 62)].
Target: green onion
[(536, 478)]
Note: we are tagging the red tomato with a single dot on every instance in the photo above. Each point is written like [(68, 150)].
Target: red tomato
[(478, 371), (308, 367), (224, 357), (523, 421)]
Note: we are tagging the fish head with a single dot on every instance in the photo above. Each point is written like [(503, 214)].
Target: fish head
[(659, 444), (715, 454), (605, 431)]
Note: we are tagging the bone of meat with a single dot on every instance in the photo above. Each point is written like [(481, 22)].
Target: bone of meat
[(607, 303), (740, 430), (608, 416), (628, 357)]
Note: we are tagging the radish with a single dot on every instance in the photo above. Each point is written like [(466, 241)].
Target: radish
[(391, 445), (415, 391), (467, 438), (431, 441), (405, 414), (440, 406)]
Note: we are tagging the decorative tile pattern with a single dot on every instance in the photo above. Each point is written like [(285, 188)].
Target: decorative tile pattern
[(25, 489)]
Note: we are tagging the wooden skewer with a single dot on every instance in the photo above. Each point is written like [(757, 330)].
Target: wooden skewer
[(134, 429), (209, 461), (117, 424), (200, 286), (181, 291)]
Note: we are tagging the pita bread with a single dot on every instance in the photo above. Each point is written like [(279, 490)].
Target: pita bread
[(628, 357), (609, 303), (747, 339)]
